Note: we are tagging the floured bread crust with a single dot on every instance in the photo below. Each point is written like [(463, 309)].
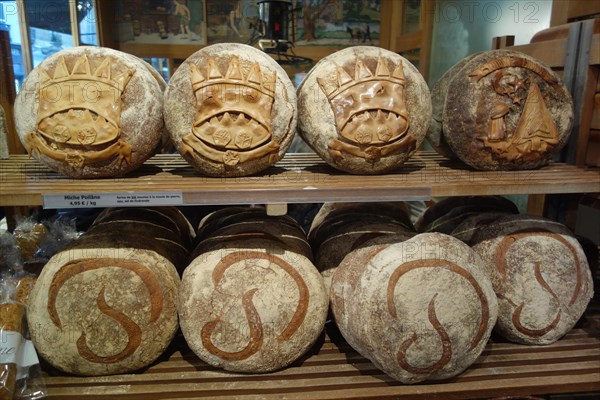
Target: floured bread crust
[(251, 307), (90, 112), (230, 110), (540, 274), (420, 310), (364, 110), (101, 310)]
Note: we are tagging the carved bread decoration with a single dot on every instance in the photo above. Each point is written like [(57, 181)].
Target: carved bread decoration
[(540, 275), (266, 306), (505, 110), (231, 110), (107, 304), (364, 110), (420, 310), (90, 112), (266, 300)]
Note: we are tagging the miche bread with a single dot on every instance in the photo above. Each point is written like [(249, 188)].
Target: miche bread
[(230, 110), (505, 110), (364, 110), (90, 112), (107, 303), (420, 310), (247, 307), (540, 275), (104, 310)]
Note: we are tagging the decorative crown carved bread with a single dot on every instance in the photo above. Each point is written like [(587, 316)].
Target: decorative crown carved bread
[(241, 104), (71, 99), (355, 109), (70, 112)]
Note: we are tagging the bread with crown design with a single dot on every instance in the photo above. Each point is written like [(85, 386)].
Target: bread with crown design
[(90, 112), (230, 110), (363, 110)]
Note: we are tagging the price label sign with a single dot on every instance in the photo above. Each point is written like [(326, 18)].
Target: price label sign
[(102, 200)]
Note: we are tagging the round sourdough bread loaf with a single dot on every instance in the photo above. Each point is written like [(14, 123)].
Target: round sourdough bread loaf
[(90, 112), (435, 135), (99, 310), (420, 310), (246, 309), (231, 110), (540, 275), (505, 110), (364, 110)]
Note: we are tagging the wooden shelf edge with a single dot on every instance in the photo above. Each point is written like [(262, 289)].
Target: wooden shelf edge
[(297, 178)]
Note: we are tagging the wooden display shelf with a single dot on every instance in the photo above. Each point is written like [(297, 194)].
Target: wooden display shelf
[(333, 370), (298, 178)]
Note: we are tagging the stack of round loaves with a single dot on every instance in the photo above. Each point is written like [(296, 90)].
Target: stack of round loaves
[(91, 112), (422, 309), (540, 275), (339, 229), (251, 299), (500, 110), (364, 110), (447, 214), (107, 304)]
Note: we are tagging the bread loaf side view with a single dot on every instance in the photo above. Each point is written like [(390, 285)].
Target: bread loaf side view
[(420, 310)]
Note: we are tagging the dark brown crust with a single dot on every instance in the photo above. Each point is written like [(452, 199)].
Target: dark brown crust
[(506, 111), (447, 205), (435, 136)]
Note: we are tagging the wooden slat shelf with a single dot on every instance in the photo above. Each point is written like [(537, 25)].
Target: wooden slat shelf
[(333, 370), (298, 178)]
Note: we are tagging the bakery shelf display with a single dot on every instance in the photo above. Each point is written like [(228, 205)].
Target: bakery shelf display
[(297, 178), (331, 369)]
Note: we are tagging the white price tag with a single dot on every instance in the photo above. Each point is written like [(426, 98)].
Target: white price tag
[(102, 200), (10, 344)]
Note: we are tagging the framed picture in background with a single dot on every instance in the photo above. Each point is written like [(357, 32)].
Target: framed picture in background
[(160, 28), (338, 23), (232, 20)]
